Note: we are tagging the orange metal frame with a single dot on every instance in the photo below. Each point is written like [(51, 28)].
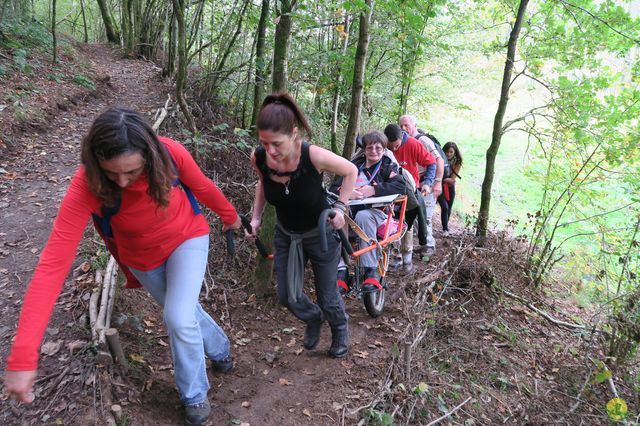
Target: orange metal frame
[(387, 238)]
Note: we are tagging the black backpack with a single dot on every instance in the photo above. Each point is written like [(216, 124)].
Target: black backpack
[(436, 143)]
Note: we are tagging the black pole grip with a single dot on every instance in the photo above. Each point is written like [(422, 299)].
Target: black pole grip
[(261, 248), (231, 247), (322, 225), (345, 242)]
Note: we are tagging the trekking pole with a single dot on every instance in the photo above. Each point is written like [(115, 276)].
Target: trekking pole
[(231, 247), (261, 248), (322, 225)]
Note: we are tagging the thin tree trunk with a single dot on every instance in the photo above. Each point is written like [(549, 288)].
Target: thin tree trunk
[(171, 48), (496, 138), (281, 46), (112, 34), (181, 78), (127, 25), (260, 62), (53, 31), (335, 102), (357, 89), (217, 73), (84, 22)]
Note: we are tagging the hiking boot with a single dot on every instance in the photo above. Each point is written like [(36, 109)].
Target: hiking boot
[(312, 334), (224, 365), (343, 286), (430, 251), (446, 233), (339, 341), (197, 414)]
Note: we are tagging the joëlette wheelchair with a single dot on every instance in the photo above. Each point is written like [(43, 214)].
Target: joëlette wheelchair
[(390, 231)]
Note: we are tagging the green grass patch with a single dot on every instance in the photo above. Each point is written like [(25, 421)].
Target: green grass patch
[(84, 81)]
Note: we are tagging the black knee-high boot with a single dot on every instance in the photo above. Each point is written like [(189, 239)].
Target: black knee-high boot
[(339, 341)]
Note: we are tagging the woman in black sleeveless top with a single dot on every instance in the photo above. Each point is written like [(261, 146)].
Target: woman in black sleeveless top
[(290, 177)]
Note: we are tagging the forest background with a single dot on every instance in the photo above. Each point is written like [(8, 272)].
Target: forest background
[(541, 96)]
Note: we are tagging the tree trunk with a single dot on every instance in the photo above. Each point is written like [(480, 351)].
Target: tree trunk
[(261, 62), (127, 26), (112, 34), (53, 31), (358, 80), (496, 137), (281, 46), (170, 66), (335, 102), (181, 78), (84, 22)]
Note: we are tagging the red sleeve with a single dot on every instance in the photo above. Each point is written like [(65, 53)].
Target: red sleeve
[(203, 188), (51, 271)]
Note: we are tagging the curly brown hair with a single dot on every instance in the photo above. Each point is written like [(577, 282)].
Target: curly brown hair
[(119, 131)]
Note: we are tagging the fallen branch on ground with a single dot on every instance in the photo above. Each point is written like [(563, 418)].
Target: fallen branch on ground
[(161, 114), (456, 408), (545, 315)]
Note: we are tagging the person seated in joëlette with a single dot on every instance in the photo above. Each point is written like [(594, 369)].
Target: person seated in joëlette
[(378, 176)]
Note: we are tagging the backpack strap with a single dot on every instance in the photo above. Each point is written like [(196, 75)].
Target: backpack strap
[(103, 223), (261, 160), (375, 171), (192, 198)]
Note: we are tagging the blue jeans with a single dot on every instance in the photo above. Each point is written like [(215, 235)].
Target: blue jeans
[(429, 204), (175, 285)]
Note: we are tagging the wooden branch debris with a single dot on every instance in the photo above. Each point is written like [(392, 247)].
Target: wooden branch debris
[(100, 310), (113, 339), (161, 114), (456, 408), (545, 315)]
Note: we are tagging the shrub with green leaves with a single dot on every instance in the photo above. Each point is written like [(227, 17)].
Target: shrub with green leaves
[(84, 81)]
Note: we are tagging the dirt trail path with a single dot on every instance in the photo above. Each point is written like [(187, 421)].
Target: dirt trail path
[(274, 381)]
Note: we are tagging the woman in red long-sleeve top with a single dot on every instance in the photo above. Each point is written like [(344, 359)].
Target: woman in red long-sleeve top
[(160, 237)]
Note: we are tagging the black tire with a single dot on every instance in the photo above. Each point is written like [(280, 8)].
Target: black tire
[(374, 302)]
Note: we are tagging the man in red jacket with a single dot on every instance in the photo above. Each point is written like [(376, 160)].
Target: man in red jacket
[(410, 154), (408, 124)]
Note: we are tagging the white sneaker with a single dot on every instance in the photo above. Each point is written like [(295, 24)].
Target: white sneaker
[(445, 233)]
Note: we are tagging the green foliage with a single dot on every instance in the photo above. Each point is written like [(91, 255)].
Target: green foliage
[(379, 417), (58, 77), (123, 421), (617, 409), (100, 259), (22, 34), (84, 81), (603, 375), (20, 61), (421, 388)]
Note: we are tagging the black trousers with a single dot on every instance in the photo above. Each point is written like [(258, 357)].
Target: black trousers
[(420, 213)]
